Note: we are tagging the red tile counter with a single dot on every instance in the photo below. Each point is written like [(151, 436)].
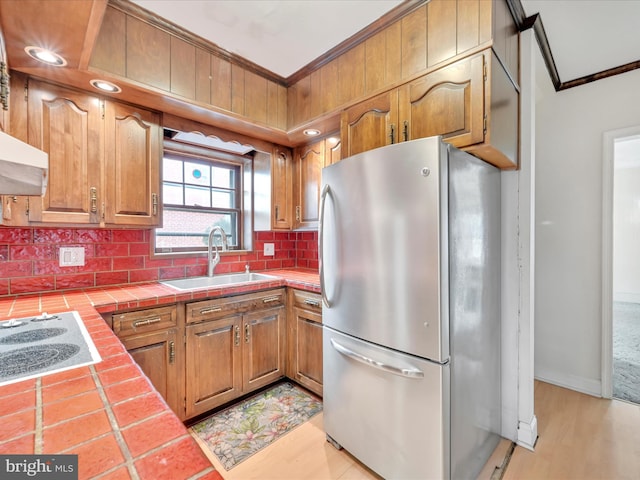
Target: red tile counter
[(108, 413)]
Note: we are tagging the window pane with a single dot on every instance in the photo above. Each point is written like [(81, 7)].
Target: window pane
[(222, 199), (197, 196), (183, 228), (197, 173), (172, 170), (222, 177), (172, 194), (208, 185)]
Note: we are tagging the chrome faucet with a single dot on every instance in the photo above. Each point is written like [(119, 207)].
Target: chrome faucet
[(211, 260)]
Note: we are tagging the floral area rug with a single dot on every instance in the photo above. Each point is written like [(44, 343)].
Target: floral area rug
[(238, 432)]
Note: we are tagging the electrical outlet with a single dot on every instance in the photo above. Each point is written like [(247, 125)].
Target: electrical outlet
[(269, 249), (71, 256)]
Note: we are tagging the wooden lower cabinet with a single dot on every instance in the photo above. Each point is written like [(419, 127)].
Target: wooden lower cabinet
[(151, 337), (234, 345), (305, 340), (263, 351), (203, 354), (214, 364)]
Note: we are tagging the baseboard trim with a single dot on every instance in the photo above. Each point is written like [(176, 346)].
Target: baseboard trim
[(528, 433), (572, 382)]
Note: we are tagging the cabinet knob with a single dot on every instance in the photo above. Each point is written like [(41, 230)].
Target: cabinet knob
[(247, 333), (392, 133), (154, 203), (236, 335)]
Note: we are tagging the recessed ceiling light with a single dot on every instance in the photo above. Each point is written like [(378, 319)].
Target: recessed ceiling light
[(45, 56), (311, 132), (105, 86)]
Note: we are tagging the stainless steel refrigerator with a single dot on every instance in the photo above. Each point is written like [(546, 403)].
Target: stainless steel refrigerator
[(410, 271)]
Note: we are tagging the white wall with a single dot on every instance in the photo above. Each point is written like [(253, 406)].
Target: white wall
[(568, 205)]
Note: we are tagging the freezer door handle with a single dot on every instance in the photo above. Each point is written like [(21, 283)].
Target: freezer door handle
[(325, 191), (403, 372)]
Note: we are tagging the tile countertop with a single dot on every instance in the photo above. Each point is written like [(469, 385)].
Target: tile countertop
[(108, 413)]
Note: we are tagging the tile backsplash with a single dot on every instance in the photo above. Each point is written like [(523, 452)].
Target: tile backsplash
[(29, 258)]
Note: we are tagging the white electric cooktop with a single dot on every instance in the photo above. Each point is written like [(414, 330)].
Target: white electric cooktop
[(31, 347)]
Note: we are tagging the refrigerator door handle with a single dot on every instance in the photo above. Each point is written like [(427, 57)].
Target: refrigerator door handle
[(403, 372), (325, 191)]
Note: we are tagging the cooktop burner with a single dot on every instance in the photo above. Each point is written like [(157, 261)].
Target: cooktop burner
[(32, 336), (34, 346), (35, 357)]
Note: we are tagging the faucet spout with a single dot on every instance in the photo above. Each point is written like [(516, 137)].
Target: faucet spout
[(212, 260)]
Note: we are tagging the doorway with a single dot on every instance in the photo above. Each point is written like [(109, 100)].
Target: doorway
[(621, 265)]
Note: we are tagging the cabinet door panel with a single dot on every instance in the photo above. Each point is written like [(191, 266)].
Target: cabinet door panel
[(68, 126), (133, 146), (264, 347), (214, 373), (155, 353), (447, 102), (282, 189), (308, 345), (370, 125), (309, 163)]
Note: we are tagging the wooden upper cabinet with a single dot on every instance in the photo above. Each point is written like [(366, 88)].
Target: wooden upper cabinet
[(332, 150), (132, 165), (104, 159), (370, 124), (308, 163), (148, 57), (282, 189), (183, 68), (441, 31), (68, 126), (448, 102)]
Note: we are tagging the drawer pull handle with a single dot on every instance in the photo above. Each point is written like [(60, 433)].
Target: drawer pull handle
[(313, 303), (204, 311), (147, 321), (172, 352), (237, 335), (93, 195), (247, 333), (270, 299)]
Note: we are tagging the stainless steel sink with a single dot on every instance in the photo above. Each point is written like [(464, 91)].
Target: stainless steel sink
[(195, 283)]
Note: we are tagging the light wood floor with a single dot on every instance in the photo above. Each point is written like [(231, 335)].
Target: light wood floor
[(580, 437)]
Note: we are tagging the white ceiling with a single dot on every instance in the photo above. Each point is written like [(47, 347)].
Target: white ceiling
[(280, 35), (586, 36), (589, 36)]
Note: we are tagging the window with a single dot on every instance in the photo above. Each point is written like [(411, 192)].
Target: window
[(199, 191)]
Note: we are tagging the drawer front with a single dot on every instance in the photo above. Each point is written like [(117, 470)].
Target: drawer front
[(307, 300), (149, 320), (223, 307)]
